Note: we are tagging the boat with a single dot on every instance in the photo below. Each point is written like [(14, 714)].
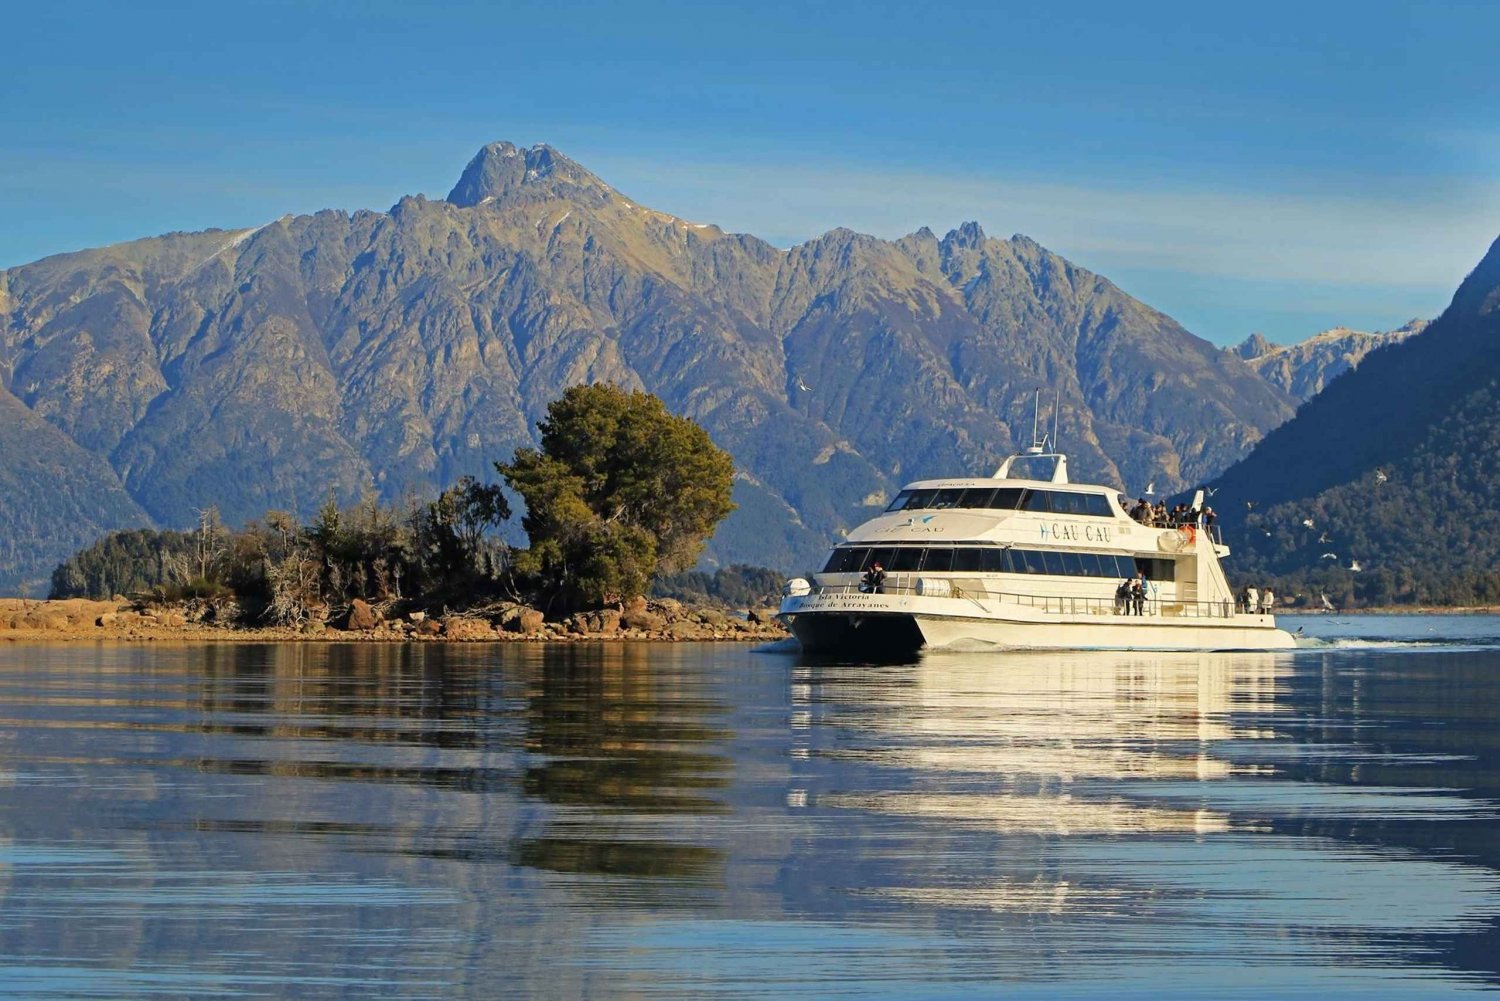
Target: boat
[(1021, 560)]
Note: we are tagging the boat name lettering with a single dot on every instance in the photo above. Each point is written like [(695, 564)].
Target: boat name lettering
[(1064, 531)]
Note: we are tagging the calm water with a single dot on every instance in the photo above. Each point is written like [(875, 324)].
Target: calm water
[(700, 821)]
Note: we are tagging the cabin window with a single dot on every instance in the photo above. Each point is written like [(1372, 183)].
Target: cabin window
[(879, 554), (948, 497), (1156, 569), (907, 559), (938, 561), (995, 560), (912, 500), (1072, 565), (976, 497), (847, 559), (969, 560), (1006, 498), (1037, 501)]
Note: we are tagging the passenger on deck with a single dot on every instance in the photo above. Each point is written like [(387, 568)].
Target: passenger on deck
[(1267, 599), (1138, 593), (1123, 597), (1252, 600), (874, 579)]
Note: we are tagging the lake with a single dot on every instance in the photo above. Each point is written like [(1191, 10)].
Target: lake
[(690, 821)]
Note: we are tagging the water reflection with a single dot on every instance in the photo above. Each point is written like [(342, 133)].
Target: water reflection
[(697, 820)]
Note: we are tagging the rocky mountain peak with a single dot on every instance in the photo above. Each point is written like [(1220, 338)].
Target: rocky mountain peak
[(1253, 347), (968, 236), (502, 171)]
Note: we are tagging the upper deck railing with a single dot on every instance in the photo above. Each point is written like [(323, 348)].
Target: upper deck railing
[(1046, 603)]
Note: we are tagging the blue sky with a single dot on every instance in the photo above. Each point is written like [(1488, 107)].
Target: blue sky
[(1273, 167)]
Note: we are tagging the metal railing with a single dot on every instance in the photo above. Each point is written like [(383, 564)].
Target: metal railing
[(1052, 604)]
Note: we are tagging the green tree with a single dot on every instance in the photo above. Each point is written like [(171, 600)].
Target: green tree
[(620, 489)]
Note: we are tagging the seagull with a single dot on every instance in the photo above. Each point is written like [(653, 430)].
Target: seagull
[(1150, 488), (1210, 491), (1354, 566), (1324, 538), (1329, 556), (1307, 523), (1249, 505), (1380, 476), (1326, 603), (803, 386)]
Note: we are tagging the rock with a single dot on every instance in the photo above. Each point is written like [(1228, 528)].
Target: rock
[(713, 617), (644, 621), (530, 622), (602, 622), (313, 627), (175, 620), (635, 605), (107, 619), (459, 628), (761, 616), (416, 617), (669, 608), (429, 627), (684, 629), (362, 616)]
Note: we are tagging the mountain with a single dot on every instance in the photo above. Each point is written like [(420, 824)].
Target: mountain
[(395, 351), (1396, 465), (1304, 368)]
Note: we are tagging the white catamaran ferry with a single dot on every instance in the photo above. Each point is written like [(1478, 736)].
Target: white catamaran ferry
[(1023, 559)]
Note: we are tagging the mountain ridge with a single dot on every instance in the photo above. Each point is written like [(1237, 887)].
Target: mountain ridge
[(393, 352)]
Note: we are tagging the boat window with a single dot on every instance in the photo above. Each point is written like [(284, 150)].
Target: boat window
[(996, 561), (1028, 561), (1156, 569), (1098, 506), (1007, 498), (938, 561), (881, 555), (1053, 562), (948, 497), (846, 559), (976, 497), (1036, 500), (1072, 565), (1067, 503), (915, 500), (968, 560), (1109, 568), (906, 559), (899, 501)]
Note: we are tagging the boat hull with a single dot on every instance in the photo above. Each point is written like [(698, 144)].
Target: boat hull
[(894, 626)]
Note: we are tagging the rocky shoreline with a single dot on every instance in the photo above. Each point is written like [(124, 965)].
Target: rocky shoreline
[(665, 620)]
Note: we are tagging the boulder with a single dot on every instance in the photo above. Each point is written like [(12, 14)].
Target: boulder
[(635, 605), (429, 627), (713, 617), (668, 608), (685, 629), (643, 620), (362, 616), (459, 628), (416, 616), (529, 622), (602, 622)]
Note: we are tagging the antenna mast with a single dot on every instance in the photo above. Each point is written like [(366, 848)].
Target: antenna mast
[(1056, 398)]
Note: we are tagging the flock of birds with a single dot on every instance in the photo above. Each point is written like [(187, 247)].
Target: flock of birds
[(1323, 539)]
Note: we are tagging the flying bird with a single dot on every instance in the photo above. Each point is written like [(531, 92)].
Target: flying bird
[(1150, 488), (1329, 556), (1354, 566), (1324, 538), (1326, 603), (803, 386), (1307, 523), (1210, 491), (1380, 476), (1249, 505)]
